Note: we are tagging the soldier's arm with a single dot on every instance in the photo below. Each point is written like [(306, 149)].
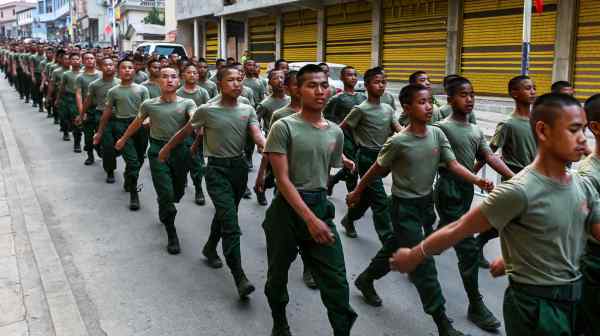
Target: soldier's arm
[(257, 137), (106, 115), (79, 101), (178, 138), (131, 130), (498, 165)]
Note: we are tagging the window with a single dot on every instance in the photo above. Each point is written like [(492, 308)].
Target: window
[(2, 14), (13, 11)]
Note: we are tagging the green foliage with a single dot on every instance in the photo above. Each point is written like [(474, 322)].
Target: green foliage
[(156, 17)]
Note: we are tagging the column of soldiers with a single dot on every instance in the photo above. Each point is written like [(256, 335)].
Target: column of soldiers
[(171, 112)]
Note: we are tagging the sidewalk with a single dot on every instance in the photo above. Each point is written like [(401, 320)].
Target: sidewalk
[(35, 295)]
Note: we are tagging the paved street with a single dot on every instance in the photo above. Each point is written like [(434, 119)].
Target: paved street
[(121, 281)]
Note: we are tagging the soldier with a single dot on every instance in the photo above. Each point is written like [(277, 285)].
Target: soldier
[(152, 84), (203, 81), (89, 75)]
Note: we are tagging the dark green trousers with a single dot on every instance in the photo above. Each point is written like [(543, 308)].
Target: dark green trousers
[(90, 126), (226, 182), (409, 216), (133, 152), (590, 305), (168, 177), (35, 88), (453, 198), (195, 163), (528, 315), (373, 197), (68, 112), (345, 174), (286, 234)]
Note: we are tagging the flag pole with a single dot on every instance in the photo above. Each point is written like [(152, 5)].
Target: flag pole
[(526, 48)]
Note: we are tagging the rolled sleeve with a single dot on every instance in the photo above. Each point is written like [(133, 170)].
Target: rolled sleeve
[(504, 204), (278, 139)]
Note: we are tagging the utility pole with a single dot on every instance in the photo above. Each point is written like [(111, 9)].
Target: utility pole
[(526, 49)]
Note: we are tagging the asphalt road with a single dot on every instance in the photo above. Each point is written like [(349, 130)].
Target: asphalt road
[(126, 284)]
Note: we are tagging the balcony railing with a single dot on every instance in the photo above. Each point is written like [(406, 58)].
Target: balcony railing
[(144, 3)]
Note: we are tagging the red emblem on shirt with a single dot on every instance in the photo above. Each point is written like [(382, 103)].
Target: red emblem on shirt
[(584, 208), (244, 117), (436, 151)]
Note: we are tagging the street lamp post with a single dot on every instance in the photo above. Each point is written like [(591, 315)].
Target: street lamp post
[(526, 49)]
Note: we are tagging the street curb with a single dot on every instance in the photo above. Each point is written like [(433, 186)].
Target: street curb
[(64, 312)]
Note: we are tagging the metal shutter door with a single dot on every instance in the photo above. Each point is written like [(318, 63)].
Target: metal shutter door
[(300, 36)]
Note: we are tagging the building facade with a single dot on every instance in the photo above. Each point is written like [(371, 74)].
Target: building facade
[(25, 23), (134, 27), (56, 15), (8, 18), (90, 18), (480, 39)]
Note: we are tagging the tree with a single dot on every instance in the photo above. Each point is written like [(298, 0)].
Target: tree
[(155, 17)]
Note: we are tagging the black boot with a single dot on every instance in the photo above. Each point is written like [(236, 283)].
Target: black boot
[(173, 241), (110, 177), (77, 142), (364, 283), (481, 316), (261, 197), (66, 136), (244, 286), (247, 194), (444, 325), (199, 197), (349, 227), (308, 278), (280, 325), (90, 158), (212, 258), (134, 200)]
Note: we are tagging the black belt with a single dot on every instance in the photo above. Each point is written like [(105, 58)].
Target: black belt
[(313, 197), (569, 292), (593, 249), (226, 162), (369, 151), (156, 141), (123, 120)]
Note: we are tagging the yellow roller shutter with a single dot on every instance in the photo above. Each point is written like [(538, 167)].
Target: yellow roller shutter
[(348, 38), (414, 38), (491, 44), (587, 60), (300, 36), (262, 40), (212, 42)]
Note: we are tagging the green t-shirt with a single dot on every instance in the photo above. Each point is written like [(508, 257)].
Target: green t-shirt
[(436, 116), (590, 168), (166, 118), (542, 225), (217, 98), (126, 100), (257, 88), (98, 90), (225, 128), (446, 110), (199, 95), (50, 67), (69, 79), (515, 137), (371, 124), (153, 88), (83, 81), (37, 60), (210, 87), (340, 105), (282, 113), (140, 77), (414, 161), (467, 141), (57, 75), (265, 109), (249, 94), (388, 98), (311, 151)]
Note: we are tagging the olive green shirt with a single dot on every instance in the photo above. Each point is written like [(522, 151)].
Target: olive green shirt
[(57, 75), (257, 88), (199, 95), (590, 168), (98, 91), (371, 124), (265, 109), (69, 79), (153, 88), (210, 87), (310, 151), (515, 137), (225, 128), (249, 94), (37, 60), (542, 225), (126, 100), (50, 67), (446, 110), (83, 81), (241, 100), (467, 141), (140, 77), (166, 118), (388, 98), (339, 106), (282, 113), (414, 161)]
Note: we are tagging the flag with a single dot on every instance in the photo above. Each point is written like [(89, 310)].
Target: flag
[(108, 29), (539, 6)]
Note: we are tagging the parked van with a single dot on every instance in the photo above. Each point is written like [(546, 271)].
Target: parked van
[(161, 48)]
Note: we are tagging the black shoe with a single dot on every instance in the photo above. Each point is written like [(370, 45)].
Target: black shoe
[(245, 287), (261, 197), (199, 198), (349, 227), (134, 201), (445, 327), (482, 317), (77, 148), (308, 279), (212, 258), (34, 105), (66, 137), (330, 185), (281, 331), (247, 194), (365, 285), (173, 241), (110, 178), (55, 121), (125, 186), (90, 159), (483, 263)]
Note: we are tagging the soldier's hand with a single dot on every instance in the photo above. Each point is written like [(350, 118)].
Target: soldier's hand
[(163, 155), (259, 184), (194, 148), (85, 117), (498, 268), (349, 164), (146, 124), (404, 261), (485, 184), (352, 199), (77, 120), (120, 144), (321, 232), (97, 138)]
